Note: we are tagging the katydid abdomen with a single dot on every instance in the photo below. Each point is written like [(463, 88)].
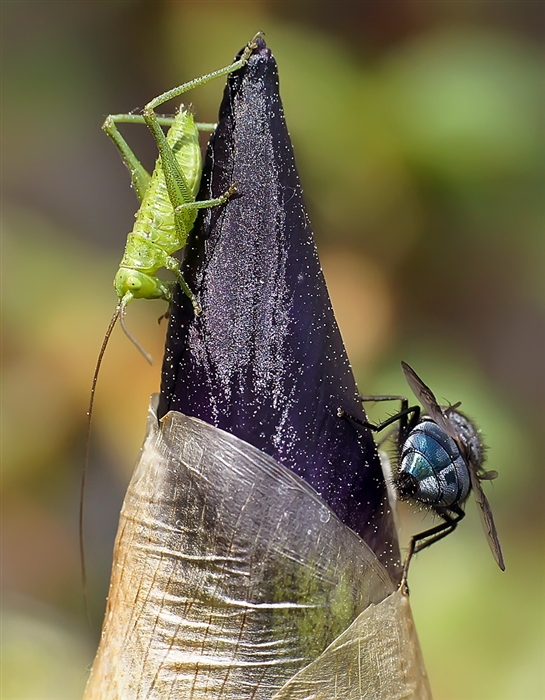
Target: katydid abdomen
[(156, 236)]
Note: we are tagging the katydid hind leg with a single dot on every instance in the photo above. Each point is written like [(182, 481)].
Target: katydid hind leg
[(196, 82), (177, 186), (205, 203)]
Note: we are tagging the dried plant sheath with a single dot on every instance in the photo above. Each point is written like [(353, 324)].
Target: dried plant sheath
[(231, 575), (377, 658)]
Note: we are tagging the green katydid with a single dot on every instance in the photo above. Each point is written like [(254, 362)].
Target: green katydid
[(168, 206), (166, 215)]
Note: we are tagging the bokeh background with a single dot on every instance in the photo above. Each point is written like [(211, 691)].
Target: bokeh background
[(418, 131)]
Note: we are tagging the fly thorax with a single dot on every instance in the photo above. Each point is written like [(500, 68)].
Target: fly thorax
[(470, 436), (433, 460)]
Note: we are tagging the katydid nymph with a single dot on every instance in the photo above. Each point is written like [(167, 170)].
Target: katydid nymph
[(168, 197), (168, 209)]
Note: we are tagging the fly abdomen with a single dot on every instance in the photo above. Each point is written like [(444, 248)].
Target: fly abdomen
[(432, 469)]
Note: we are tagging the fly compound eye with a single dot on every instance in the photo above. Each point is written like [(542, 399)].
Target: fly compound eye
[(134, 283)]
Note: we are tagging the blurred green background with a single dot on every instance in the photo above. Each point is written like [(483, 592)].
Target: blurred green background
[(418, 131)]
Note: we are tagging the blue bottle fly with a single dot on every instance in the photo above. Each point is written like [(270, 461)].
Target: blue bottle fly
[(440, 461)]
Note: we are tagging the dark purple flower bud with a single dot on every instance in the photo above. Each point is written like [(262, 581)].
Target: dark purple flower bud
[(265, 360)]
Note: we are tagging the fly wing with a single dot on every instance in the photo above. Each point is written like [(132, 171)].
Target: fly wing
[(486, 517), (427, 398)]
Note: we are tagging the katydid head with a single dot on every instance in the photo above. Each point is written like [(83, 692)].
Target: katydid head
[(137, 284)]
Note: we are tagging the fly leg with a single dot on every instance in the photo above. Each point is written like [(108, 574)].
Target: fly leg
[(429, 537), (408, 415)]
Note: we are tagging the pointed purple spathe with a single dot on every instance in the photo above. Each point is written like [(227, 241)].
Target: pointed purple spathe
[(265, 360)]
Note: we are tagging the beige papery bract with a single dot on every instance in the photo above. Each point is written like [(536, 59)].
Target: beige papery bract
[(232, 579)]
